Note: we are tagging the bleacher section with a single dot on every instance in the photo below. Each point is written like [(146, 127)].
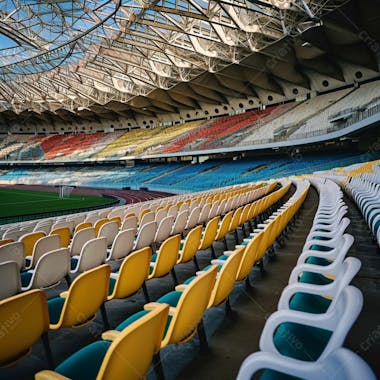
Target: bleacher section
[(316, 311), (365, 95), (182, 176)]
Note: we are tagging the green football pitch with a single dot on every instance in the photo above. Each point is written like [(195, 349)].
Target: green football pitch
[(24, 202)]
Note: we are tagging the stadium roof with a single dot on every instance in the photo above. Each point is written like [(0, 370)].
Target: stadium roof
[(87, 59)]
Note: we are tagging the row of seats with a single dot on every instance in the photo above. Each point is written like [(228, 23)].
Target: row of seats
[(46, 260), (365, 191), (304, 338), (60, 314)]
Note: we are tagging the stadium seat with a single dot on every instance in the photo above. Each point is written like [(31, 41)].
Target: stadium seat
[(131, 275), (82, 226), (50, 268), (77, 307), (122, 245), (98, 224), (64, 233), (223, 228), (10, 280), (42, 245), (109, 230), (187, 306), (28, 240), (339, 364), (208, 236), (80, 237), (13, 252), (180, 222), (163, 261), (189, 246), (163, 230), (145, 236), (27, 316), (129, 222), (317, 335), (126, 355), (93, 254)]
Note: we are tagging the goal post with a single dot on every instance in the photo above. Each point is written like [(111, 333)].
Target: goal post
[(65, 191)]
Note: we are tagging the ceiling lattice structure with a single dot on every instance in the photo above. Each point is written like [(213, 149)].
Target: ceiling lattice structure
[(86, 58)]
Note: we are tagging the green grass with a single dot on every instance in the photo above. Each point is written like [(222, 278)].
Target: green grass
[(25, 202)]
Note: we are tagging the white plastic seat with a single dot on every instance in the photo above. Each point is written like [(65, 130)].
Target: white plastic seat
[(93, 254), (50, 269), (109, 231), (340, 364), (122, 245), (13, 252), (10, 282)]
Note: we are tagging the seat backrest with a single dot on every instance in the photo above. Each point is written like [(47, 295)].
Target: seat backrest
[(146, 235), (25, 317), (160, 214), (129, 222), (116, 219), (132, 273), (50, 269), (10, 282), (80, 238), (85, 295), (164, 229), (122, 245), (29, 240), (226, 278), (250, 257), (63, 224), (173, 210), (93, 254), (109, 230), (236, 219), (64, 233), (167, 256), (43, 245), (180, 222), (203, 216), (98, 224), (131, 353), (190, 308), (13, 252), (82, 226), (209, 233), (224, 226), (193, 217), (147, 218), (191, 244)]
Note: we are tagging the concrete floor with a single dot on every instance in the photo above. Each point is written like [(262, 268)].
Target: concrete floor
[(231, 337)]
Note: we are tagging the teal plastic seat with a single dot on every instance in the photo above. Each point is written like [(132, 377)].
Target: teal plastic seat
[(93, 353), (310, 303), (314, 278), (301, 342)]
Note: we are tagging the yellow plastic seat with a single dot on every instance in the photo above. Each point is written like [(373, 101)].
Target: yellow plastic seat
[(224, 228), (190, 246), (82, 226), (125, 355), (99, 223), (77, 307), (226, 279), (209, 235), (64, 234), (164, 260), (133, 271), (187, 306), (28, 240), (25, 319)]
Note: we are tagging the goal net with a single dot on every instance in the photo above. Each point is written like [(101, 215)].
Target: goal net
[(65, 191)]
